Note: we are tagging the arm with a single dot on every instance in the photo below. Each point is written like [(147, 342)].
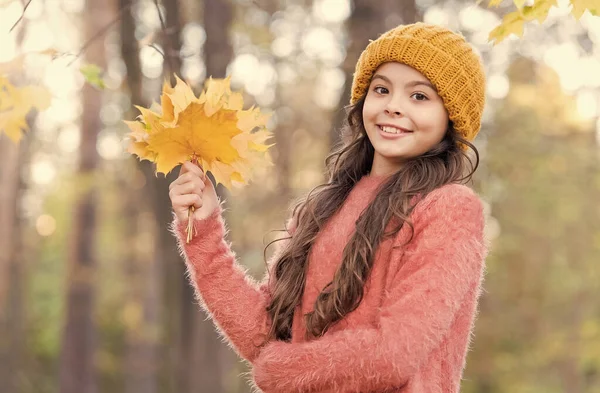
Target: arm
[(443, 264), (234, 301)]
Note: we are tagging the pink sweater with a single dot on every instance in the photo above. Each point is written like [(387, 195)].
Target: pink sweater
[(410, 333)]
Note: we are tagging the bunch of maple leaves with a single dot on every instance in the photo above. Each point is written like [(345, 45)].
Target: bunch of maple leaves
[(211, 130)]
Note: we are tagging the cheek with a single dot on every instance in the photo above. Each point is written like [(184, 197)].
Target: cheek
[(436, 122), (369, 109), (367, 114)]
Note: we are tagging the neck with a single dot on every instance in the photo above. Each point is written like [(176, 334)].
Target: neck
[(382, 166), (380, 171)]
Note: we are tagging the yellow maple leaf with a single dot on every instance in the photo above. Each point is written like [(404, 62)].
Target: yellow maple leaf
[(579, 7), (139, 141), (212, 129), (512, 23), (539, 10), (16, 103), (218, 95)]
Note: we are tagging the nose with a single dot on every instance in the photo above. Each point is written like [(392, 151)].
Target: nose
[(393, 107)]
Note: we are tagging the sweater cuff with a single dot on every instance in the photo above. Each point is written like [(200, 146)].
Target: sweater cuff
[(201, 229)]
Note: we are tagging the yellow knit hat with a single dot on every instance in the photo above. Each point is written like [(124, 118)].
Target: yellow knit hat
[(443, 57)]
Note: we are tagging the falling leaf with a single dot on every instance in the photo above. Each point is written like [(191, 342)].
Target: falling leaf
[(93, 75), (213, 128), (16, 103)]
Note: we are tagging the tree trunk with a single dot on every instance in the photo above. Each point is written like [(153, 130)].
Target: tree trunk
[(13, 159), (12, 263), (204, 356), (172, 38), (9, 175), (11, 312), (143, 271), (176, 288), (368, 20), (78, 338)]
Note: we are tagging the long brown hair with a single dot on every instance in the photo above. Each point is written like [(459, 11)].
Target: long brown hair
[(443, 164)]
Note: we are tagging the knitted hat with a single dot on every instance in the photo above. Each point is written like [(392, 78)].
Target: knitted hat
[(443, 57)]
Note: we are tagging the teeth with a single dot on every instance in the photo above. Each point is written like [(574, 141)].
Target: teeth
[(391, 130)]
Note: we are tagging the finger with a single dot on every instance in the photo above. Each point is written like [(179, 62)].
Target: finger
[(186, 178), (191, 187), (183, 178), (183, 169), (199, 185), (183, 202), (191, 167), (196, 186)]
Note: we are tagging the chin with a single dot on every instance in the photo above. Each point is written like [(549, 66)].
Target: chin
[(391, 154)]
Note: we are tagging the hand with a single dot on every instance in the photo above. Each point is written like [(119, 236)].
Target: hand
[(192, 188)]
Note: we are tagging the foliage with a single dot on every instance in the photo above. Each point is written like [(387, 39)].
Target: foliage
[(93, 75), (16, 103), (212, 129), (513, 22)]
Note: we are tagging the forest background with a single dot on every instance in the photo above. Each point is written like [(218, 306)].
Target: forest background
[(93, 295)]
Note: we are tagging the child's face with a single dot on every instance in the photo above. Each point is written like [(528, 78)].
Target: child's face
[(402, 101)]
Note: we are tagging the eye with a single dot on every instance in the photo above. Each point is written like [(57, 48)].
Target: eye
[(420, 96), (380, 90)]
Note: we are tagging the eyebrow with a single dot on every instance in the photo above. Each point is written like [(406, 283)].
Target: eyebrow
[(409, 84)]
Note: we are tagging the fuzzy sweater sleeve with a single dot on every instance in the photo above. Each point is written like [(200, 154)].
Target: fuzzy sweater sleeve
[(441, 266), (235, 302)]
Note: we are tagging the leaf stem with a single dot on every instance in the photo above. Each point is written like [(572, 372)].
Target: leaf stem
[(191, 230)]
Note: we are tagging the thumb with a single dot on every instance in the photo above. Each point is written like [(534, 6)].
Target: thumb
[(183, 169)]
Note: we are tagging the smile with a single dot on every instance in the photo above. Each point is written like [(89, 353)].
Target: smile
[(390, 132)]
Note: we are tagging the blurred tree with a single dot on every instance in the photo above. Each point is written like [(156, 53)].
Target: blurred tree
[(204, 358), (143, 265), (13, 160), (77, 374), (174, 281), (9, 171), (287, 124), (179, 297)]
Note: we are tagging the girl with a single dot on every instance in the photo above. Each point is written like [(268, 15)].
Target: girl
[(376, 287)]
